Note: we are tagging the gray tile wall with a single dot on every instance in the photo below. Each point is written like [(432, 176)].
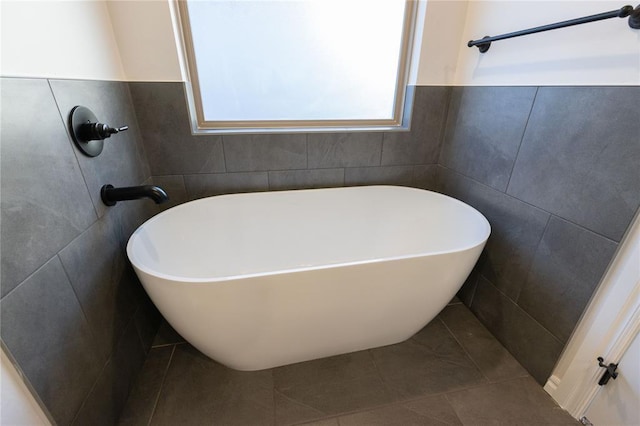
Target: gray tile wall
[(200, 166), (74, 317), (555, 171)]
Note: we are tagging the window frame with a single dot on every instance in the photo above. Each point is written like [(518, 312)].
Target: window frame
[(401, 109)]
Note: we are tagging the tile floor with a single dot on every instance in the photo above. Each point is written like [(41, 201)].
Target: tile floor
[(453, 372)]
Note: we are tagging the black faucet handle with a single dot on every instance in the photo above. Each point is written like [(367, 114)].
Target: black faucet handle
[(99, 131)]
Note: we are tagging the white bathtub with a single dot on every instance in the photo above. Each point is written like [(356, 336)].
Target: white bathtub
[(266, 279)]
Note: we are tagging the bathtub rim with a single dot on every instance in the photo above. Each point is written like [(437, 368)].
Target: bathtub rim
[(190, 280)]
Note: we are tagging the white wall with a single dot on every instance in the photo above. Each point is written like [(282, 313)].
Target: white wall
[(134, 40), (144, 33), (58, 39), (441, 37), (18, 407), (598, 53)]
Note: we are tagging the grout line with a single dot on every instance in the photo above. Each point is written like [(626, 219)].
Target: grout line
[(86, 398), (464, 350), (224, 155), (533, 258), (166, 371), (474, 288), (528, 204), (86, 318), (73, 148), (444, 123), (524, 132), (519, 308)]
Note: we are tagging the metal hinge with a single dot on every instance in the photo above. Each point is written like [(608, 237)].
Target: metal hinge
[(585, 421)]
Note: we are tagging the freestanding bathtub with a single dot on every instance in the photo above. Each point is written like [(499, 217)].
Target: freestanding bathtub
[(266, 279)]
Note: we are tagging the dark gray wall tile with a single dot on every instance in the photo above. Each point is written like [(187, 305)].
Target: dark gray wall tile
[(46, 332), (530, 343), (147, 319), (484, 129), (566, 269), (427, 177), (516, 230), (171, 149), (131, 214), (250, 153), (389, 175), (328, 150), (142, 398), (466, 292), (45, 202), (122, 162), (579, 157), (175, 189), (421, 145), (94, 263), (106, 400), (303, 179), (199, 186)]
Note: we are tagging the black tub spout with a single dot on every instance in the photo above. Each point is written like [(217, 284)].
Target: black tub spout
[(110, 195)]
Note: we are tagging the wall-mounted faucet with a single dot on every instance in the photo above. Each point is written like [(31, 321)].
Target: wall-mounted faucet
[(110, 195)]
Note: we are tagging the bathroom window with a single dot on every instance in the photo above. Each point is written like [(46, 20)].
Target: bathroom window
[(299, 65)]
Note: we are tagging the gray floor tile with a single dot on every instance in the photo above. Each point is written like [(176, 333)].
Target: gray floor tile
[(290, 412), (400, 384), (144, 395), (332, 369), (326, 422), (342, 396), (529, 342), (198, 390), (436, 408), (417, 367), (427, 411), (105, 402), (167, 335), (495, 362), (518, 401)]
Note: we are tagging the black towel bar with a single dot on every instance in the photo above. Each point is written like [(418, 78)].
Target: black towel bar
[(634, 22)]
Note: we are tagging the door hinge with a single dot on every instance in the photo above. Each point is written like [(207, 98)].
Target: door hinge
[(610, 372), (585, 421)]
